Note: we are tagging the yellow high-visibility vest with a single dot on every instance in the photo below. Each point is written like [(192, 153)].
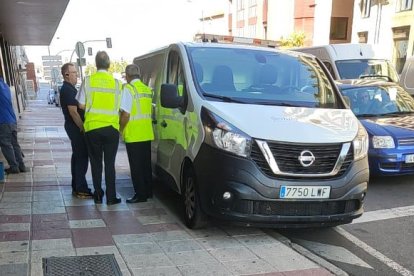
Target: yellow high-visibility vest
[(139, 126), (102, 101)]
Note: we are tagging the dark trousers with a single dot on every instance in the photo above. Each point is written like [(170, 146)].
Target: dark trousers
[(139, 156), (103, 142), (79, 160), (10, 146)]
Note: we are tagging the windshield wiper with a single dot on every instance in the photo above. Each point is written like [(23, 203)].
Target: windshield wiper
[(274, 103), (223, 98), (381, 114), (399, 113), (376, 76), (369, 115)]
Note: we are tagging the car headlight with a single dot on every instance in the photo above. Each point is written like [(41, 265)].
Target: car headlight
[(225, 136), (383, 142), (360, 143)]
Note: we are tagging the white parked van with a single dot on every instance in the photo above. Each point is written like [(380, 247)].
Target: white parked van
[(352, 61), (407, 76), (255, 136)]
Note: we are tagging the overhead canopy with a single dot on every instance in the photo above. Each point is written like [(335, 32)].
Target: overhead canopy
[(30, 22)]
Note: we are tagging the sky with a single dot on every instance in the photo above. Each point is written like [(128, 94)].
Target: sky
[(135, 26)]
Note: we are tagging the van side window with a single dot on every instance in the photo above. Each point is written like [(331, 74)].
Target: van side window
[(175, 73)]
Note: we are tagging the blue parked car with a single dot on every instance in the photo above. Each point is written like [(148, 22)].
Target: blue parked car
[(387, 112)]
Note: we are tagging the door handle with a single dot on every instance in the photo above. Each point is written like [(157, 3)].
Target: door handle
[(164, 123)]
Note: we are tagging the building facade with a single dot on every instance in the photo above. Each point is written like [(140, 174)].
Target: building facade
[(386, 24)]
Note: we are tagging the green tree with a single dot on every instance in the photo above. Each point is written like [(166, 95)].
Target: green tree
[(296, 39), (116, 67)]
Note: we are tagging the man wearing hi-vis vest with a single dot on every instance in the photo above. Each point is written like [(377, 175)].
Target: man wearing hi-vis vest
[(100, 96), (137, 132)]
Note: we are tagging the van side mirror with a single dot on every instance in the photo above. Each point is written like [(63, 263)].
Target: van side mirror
[(170, 97)]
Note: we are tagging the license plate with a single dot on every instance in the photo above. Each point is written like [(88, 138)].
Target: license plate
[(305, 192), (409, 158)]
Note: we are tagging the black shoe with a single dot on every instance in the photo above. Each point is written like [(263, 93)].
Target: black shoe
[(136, 198), (83, 195), (113, 201), (12, 170), (22, 168), (97, 198)]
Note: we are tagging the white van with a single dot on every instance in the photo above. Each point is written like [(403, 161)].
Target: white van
[(407, 76), (352, 61), (255, 136)]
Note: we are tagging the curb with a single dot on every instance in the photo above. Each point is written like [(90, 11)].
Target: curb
[(308, 254)]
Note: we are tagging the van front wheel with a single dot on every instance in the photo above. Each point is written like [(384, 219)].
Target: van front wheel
[(193, 215)]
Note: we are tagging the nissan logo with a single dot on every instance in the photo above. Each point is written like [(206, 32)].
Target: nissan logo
[(306, 158)]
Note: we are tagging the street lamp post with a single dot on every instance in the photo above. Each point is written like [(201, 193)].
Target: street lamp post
[(80, 50), (107, 40)]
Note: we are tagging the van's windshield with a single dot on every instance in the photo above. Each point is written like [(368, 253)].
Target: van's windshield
[(265, 77), (366, 68)]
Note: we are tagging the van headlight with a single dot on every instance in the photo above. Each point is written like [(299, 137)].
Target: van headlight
[(383, 142), (360, 143), (225, 136)]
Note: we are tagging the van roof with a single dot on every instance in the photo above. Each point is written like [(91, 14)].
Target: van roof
[(347, 51), (241, 46), (352, 51), (227, 45)]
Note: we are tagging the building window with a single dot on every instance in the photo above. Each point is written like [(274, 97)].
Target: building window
[(252, 8), (404, 5), (363, 37), (400, 36), (240, 32), (240, 10), (339, 28), (365, 8), (251, 31)]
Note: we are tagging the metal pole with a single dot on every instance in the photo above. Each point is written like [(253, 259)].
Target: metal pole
[(72, 55), (51, 71), (80, 68)]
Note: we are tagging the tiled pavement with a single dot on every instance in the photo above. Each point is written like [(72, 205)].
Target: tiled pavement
[(40, 218)]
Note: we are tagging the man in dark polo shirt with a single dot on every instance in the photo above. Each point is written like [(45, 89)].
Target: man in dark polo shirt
[(74, 118)]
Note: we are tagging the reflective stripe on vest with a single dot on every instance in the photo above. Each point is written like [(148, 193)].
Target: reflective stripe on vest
[(139, 126), (103, 98)]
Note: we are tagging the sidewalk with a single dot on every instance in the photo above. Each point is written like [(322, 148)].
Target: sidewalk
[(39, 218)]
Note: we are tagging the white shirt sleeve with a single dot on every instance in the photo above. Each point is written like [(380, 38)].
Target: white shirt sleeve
[(126, 101), (80, 96)]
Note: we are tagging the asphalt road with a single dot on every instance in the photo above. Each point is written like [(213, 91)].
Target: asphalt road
[(381, 245)]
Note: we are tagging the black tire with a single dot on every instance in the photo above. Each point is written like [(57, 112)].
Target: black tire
[(194, 216)]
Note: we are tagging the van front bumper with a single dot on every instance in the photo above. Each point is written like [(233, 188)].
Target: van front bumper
[(254, 196)]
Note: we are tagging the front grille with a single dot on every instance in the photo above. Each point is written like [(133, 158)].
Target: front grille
[(406, 142), (286, 156), (294, 208)]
